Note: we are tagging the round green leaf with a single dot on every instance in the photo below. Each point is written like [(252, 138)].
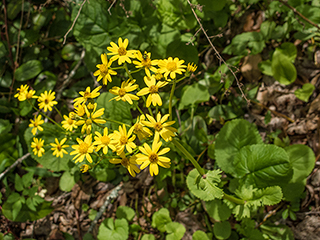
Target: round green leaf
[(218, 210), (305, 92), (232, 137), (199, 235), (28, 70), (282, 68), (67, 181), (262, 165), (194, 94), (148, 237), (222, 230), (116, 230), (160, 219), (289, 50), (125, 212), (175, 231)]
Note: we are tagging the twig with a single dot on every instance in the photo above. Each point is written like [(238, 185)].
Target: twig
[(13, 165), (298, 13), (73, 23), (114, 1), (216, 52), (270, 213), (114, 193)]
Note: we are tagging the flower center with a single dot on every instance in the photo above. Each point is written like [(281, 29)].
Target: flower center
[(172, 66), (153, 89), (46, 101), (38, 147), (28, 95), (123, 140), (103, 69), (35, 124), (153, 157), (83, 148), (70, 121), (158, 126), (88, 122), (122, 51), (146, 62), (125, 162), (122, 92), (59, 147), (105, 140)]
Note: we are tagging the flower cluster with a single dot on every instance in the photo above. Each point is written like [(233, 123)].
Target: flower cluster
[(128, 145)]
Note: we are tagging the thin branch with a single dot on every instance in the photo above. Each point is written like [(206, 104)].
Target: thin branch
[(109, 9), (298, 13), (114, 193), (216, 51), (74, 22), (13, 165)]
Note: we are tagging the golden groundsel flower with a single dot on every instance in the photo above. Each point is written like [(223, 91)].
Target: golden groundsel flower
[(128, 162), (58, 148), (35, 124), (104, 71), (37, 146), (120, 51), (83, 149), (46, 100)]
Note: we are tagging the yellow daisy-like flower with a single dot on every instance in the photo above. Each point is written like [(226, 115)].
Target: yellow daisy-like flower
[(161, 128), (22, 91), (128, 163), (83, 149), (37, 146), (120, 51), (103, 141), (35, 124), (145, 62), (46, 100), (152, 156), (27, 95), (84, 168), (80, 110), (191, 67), (69, 122), (171, 67), (92, 116), (122, 140), (104, 71), (58, 148), (152, 90), (87, 95), (140, 130), (123, 91)]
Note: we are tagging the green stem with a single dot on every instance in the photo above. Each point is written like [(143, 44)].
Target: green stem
[(115, 121), (58, 111), (189, 156), (233, 199), (170, 100), (179, 80), (127, 71)]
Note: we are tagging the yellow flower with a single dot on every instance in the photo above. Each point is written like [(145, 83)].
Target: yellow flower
[(80, 110), (22, 91), (120, 52), (171, 67), (122, 92), (37, 146), (83, 149), (152, 156), (69, 122), (58, 148), (103, 141), (27, 95), (84, 168), (140, 130), (104, 71), (87, 95), (145, 62), (92, 116), (129, 163), (122, 140), (191, 67), (152, 90), (161, 128), (35, 124), (46, 100)]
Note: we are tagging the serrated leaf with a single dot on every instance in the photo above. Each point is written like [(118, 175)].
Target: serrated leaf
[(16, 207), (125, 212), (27, 179), (160, 219), (175, 231), (305, 92), (232, 137), (222, 230), (262, 165), (28, 70), (117, 230), (18, 184), (30, 204), (218, 210), (283, 69), (206, 189), (13, 197), (194, 94)]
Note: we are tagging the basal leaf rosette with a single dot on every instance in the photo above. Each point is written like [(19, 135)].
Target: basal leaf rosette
[(205, 188)]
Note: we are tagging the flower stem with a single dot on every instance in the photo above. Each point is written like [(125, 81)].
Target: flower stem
[(127, 71), (233, 199), (188, 156), (115, 121), (170, 100)]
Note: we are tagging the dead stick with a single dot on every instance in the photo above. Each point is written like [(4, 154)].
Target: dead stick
[(14, 164)]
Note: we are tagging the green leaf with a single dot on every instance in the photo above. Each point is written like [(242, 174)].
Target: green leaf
[(67, 181), (265, 67), (28, 70), (5, 126), (262, 165), (302, 159), (16, 207), (160, 219), (305, 92), (282, 68), (175, 231), (30, 204), (276, 232), (222, 230), (222, 111), (13, 197), (148, 237), (125, 212), (213, 5), (194, 94), (232, 137), (18, 184), (199, 235), (188, 53), (218, 210), (117, 230), (69, 52), (103, 174), (289, 50), (27, 179), (205, 188)]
